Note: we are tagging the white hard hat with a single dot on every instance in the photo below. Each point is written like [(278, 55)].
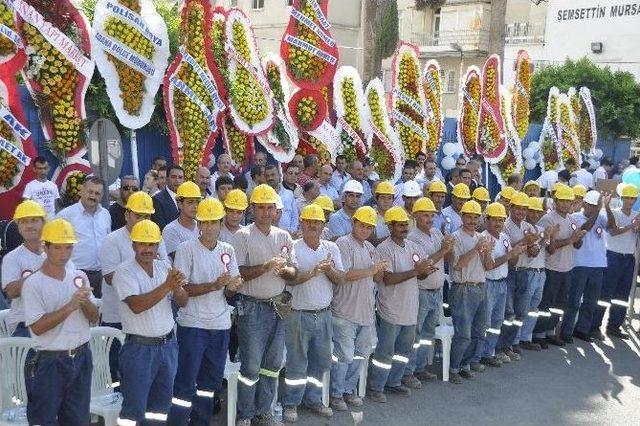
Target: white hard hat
[(279, 205), (353, 186), (411, 188), (592, 197)]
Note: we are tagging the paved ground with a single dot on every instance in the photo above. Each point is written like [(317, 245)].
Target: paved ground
[(577, 385)]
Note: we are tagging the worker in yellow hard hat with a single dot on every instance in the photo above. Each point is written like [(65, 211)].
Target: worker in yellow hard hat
[(437, 192), (504, 197), (211, 268), (117, 249), (353, 308), (470, 260), (319, 269), (22, 261), (384, 195), (266, 261), (531, 188), (558, 264), (437, 248), (59, 308), (398, 308), (235, 206), (148, 322), (622, 231), (452, 216), (326, 203), (579, 191), (183, 228)]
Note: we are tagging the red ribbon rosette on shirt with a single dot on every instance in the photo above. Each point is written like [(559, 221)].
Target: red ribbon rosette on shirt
[(415, 257), (307, 47), (26, 273), (78, 282), (225, 258)]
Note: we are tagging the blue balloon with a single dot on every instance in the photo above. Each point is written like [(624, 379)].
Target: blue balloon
[(632, 178)]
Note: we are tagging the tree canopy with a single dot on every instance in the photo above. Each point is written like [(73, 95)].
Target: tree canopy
[(615, 94)]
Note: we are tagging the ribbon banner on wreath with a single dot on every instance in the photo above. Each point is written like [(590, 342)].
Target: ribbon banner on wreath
[(469, 111), (432, 86), (307, 47), (193, 91), (384, 145), (352, 119), (58, 43), (587, 130), (521, 94), (549, 141), (491, 142), (567, 136), (12, 56), (512, 161), (132, 50)]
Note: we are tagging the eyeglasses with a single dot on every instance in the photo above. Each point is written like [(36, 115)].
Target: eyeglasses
[(131, 188)]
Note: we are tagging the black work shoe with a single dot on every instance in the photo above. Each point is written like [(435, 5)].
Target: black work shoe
[(398, 390), (555, 340), (530, 346), (455, 379), (583, 336), (597, 335), (467, 374), (491, 361), (542, 342), (616, 332), (567, 339), (516, 349)]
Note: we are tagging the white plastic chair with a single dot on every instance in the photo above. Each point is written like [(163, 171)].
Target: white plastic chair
[(104, 401), (4, 327), (13, 391), (231, 370), (444, 333)]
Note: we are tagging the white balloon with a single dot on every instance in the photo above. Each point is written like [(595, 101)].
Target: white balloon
[(593, 164), (535, 146), (530, 164), (597, 154), (449, 149), (527, 153), (448, 163)]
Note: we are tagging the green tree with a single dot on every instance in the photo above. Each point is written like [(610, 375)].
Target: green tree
[(380, 26), (615, 94)]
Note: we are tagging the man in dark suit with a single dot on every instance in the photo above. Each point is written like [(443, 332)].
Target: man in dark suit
[(164, 202)]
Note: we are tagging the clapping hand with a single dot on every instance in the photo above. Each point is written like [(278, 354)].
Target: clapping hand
[(80, 297), (448, 242), (380, 266)]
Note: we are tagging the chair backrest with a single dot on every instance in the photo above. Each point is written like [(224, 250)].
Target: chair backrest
[(4, 327), (100, 343), (13, 355)]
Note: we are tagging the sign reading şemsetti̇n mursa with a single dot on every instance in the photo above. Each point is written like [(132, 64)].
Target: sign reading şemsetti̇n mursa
[(598, 11)]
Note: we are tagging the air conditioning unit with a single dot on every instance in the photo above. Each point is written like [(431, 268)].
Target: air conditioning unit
[(596, 47)]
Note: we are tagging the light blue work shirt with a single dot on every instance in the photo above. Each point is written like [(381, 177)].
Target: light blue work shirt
[(340, 224), (289, 220), (452, 219), (593, 252)]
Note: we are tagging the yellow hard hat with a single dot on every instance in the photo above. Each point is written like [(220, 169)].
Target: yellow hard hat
[(531, 183), (29, 208), (481, 194), (396, 214), (579, 190), (385, 187), (367, 215), (471, 207), (312, 212), (496, 210), (263, 194), (564, 192), (59, 231), (555, 186), (629, 191), (507, 192), (423, 205), (437, 186), (140, 202), (461, 190), (325, 202), (188, 190), (210, 209), (535, 203), (146, 231), (236, 199), (520, 199)]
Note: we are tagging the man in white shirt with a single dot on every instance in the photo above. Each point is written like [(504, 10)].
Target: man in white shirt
[(622, 234), (602, 172), (58, 309), (308, 333), (92, 223), (340, 175), (184, 227), (408, 174), (117, 249), (266, 259), (451, 214), (582, 176), (149, 356), (325, 185), (41, 189), (223, 168), (256, 176), (23, 261), (289, 218), (209, 267)]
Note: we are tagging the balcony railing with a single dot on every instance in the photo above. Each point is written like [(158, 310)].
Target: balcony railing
[(524, 33), (469, 40)]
